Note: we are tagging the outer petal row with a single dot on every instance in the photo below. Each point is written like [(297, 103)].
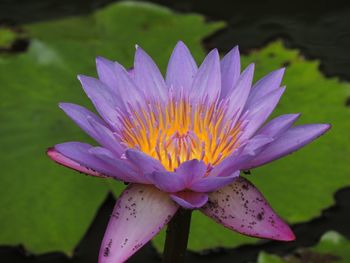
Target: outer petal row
[(181, 69), (230, 72), (207, 81), (141, 211), (139, 214), (242, 208), (148, 77), (119, 82), (190, 176), (96, 161), (292, 140)]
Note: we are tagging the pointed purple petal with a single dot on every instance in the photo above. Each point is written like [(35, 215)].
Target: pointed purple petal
[(212, 183), (207, 81), (106, 137), (181, 179), (122, 169), (239, 95), (260, 111), (241, 156), (78, 153), (191, 170), (230, 72), (103, 100), (80, 115), (264, 86), (106, 73), (242, 208), (65, 161), (181, 69), (145, 163), (289, 142), (148, 77), (117, 78), (167, 181), (278, 125), (139, 214), (190, 200)]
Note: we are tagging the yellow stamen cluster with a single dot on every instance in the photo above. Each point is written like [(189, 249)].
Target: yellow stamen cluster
[(179, 131)]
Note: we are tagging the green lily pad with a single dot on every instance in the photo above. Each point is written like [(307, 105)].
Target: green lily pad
[(332, 247), (47, 207), (44, 206), (269, 258), (300, 185), (7, 36)]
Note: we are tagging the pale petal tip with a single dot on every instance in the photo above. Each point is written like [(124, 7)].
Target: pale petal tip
[(327, 126), (213, 54), (180, 43), (250, 68), (82, 78), (280, 71), (51, 152), (100, 59), (64, 105), (290, 236), (285, 234), (323, 128), (54, 155)]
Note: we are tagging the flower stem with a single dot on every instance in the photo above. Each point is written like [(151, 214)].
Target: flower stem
[(177, 237)]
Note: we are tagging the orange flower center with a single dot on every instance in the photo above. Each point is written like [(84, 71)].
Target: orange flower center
[(179, 131)]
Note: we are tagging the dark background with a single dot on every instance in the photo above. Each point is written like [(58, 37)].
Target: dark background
[(320, 29)]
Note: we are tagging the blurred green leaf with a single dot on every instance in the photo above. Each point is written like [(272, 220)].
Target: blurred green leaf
[(44, 206), (49, 207), (335, 244), (268, 258), (7, 36), (331, 248)]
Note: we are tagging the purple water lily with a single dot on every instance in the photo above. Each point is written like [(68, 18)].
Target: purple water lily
[(182, 142)]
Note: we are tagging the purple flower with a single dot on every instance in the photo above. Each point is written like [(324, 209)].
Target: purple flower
[(182, 142)]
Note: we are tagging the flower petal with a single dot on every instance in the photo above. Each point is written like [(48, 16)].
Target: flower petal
[(106, 137), (139, 214), (239, 95), (65, 161), (71, 154), (102, 98), (122, 169), (241, 156), (289, 142), (191, 170), (181, 69), (212, 183), (242, 208), (259, 112), (117, 78), (145, 163), (278, 125), (264, 86), (148, 77), (80, 116), (190, 200), (207, 81), (230, 72), (181, 179), (167, 181)]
